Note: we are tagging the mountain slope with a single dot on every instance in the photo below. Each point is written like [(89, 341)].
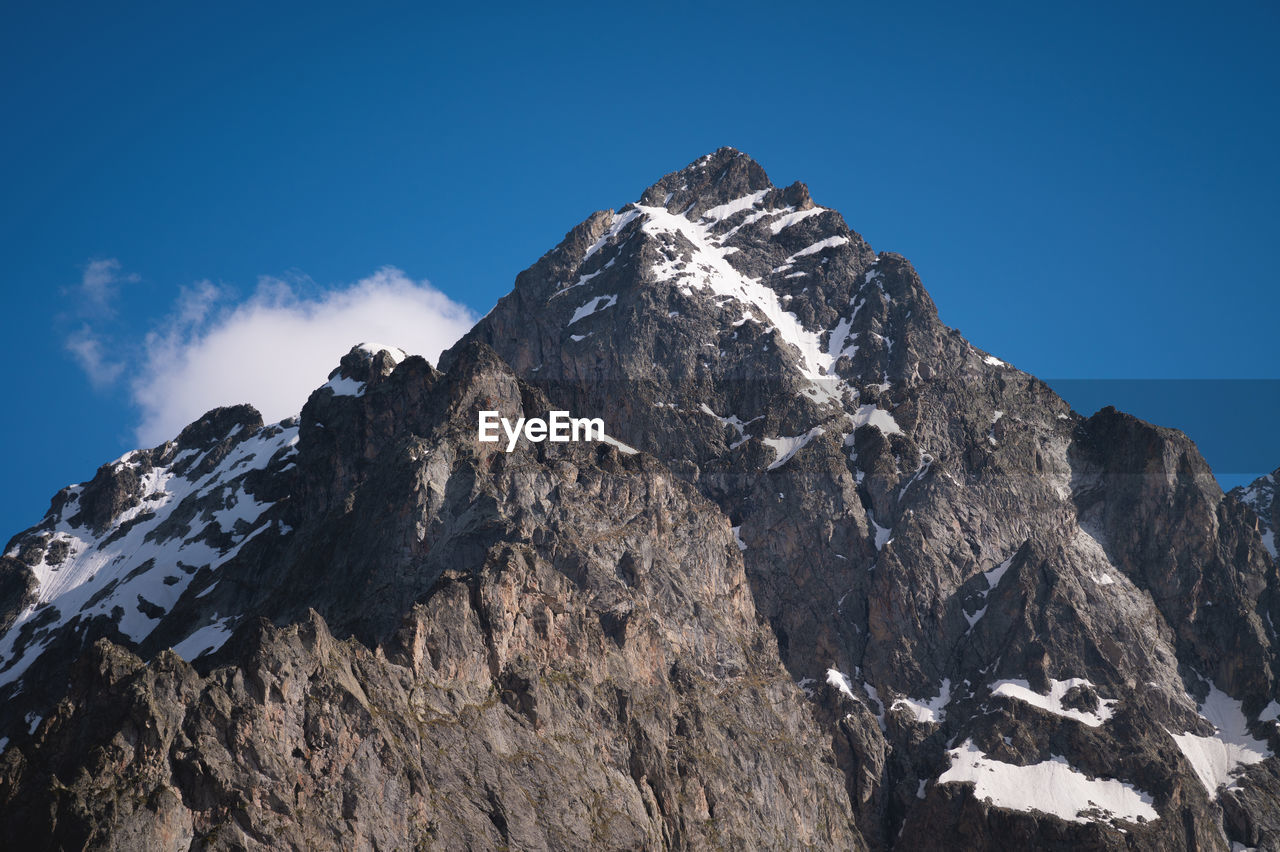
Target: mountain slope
[(863, 584), (930, 523), (1260, 496)]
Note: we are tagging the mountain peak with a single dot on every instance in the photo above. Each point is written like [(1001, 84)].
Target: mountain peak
[(864, 586), (716, 179)]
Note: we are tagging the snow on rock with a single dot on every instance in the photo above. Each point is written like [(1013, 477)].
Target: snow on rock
[(143, 563), (786, 447), (626, 448), (707, 267), (993, 578), (996, 574), (599, 303), (710, 269), (777, 226), (820, 245), (1260, 496), (931, 710), (737, 537), (342, 386), (838, 679), (1020, 690), (206, 639), (882, 533), (734, 422), (1051, 787), (869, 414), (993, 361), (843, 340), (749, 220), (620, 221), (917, 476), (724, 211), (1217, 758), (877, 706), (397, 354)]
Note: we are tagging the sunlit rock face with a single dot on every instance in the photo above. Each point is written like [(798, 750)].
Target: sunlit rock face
[(834, 577)]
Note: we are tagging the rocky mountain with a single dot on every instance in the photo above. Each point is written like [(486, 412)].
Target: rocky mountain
[(836, 578), (1260, 496)]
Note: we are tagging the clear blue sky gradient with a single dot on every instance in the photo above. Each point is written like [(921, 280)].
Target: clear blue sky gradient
[(1087, 190)]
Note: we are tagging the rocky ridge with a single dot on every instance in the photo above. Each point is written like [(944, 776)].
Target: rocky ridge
[(1260, 496), (861, 585)]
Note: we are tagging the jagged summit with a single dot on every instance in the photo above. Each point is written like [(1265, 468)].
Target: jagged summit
[(716, 240), (1260, 496), (718, 178), (723, 177), (364, 362)]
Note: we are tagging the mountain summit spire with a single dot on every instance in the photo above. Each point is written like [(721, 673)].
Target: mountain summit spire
[(720, 177)]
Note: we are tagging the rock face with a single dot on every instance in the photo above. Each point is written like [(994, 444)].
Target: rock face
[(1260, 496), (835, 579)]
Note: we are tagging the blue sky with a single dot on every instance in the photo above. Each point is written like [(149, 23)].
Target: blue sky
[(1089, 191)]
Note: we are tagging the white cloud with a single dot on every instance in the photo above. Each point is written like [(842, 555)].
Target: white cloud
[(94, 297), (100, 283), (274, 349), (87, 349)]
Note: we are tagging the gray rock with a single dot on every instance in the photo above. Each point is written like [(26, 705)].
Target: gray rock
[(863, 586)]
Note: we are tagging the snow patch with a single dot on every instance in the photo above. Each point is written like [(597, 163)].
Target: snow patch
[(1020, 690), (709, 268), (870, 415), (1217, 758), (820, 245), (785, 447), (626, 448), (777, 226), (599, 303), (342, 386), (931, 710), (734, 422), (996, 574), (837, 679), (397, 354), (620, 221), (1051, 787), (882, 533), (724, 211), (205, 640), (114, 573)]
